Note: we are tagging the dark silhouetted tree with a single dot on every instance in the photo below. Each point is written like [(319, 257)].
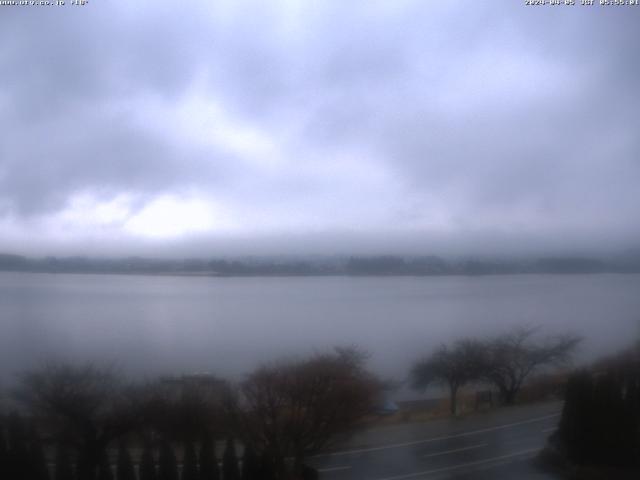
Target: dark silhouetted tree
[(167, 464), (104, 467), (514, 356), (250, 464), (189, 462), (309, 473), (183, 408), (208, 462), (18, 465), (124, 467), (63, 466), (269, 466), (614, 424), (37, 460), (454, 366), (576, 412), (600, 419), (86, 405), (4, 454), (295, 409), (147, 465), (230, 469)]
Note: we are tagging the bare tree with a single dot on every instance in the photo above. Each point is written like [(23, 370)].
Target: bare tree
[(167, 463), (230, 467), (297, 408), (185, 408), (4, 452), (124, 468), (207, 459), (454, 366), (147, 466), (514, 356), (84, 406)]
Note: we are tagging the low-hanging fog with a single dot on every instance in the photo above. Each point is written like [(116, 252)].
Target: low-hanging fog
[(154, 128)]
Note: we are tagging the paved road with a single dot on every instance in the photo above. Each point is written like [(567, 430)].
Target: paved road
[(496, 445)]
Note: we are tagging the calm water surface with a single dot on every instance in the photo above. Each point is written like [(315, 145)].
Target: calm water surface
[(228, 325)]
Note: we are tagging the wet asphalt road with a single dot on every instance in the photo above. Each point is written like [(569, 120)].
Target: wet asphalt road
[(496, 445)]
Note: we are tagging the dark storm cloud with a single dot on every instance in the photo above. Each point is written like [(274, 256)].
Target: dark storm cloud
[(412, 116)]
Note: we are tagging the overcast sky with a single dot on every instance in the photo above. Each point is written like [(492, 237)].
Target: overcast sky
[(166, 128)]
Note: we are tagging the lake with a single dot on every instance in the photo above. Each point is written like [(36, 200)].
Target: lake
[(150, 324)]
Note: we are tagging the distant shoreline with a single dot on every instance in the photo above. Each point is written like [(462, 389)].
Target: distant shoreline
[(353, 266), (311, 275)]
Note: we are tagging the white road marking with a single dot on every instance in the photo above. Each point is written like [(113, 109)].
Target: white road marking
[(461, 465), (521, 440), (333, 469), (435, 439), (446, 452)]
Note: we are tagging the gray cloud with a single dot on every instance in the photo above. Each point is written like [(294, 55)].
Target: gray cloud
[(419, 120)]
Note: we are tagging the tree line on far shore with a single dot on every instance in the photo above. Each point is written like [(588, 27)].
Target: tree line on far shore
[(381, 265)]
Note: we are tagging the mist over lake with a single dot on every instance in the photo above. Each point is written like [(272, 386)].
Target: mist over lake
[(226, 326)]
